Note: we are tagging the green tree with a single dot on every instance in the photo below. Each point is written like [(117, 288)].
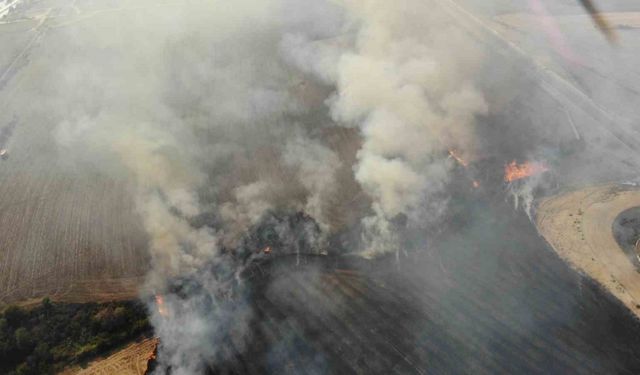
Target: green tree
[(46, 303), (23, 339), (42, 351), (24, 369), (4, 348), (14, 315)]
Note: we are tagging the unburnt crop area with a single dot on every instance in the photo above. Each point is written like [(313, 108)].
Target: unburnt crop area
[(46, 338)]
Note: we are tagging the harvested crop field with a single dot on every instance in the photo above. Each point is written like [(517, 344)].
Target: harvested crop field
[(578, 225), (75, 239), (132, 360), (66, 231)]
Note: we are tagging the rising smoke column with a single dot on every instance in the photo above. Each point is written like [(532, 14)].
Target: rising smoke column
[(403, 77), (198, 109), (192, 104), (406, 81)]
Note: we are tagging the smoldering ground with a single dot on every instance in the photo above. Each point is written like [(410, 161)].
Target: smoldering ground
[(223, 116)]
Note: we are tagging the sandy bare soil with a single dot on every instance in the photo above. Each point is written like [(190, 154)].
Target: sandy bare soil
[(578, 225), (132, 360)]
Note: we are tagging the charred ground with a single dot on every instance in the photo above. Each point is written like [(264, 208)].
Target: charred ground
[(477, 297)]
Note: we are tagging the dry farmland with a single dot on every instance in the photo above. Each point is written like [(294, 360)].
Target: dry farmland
[(65, 230), (68, 227), (74, 239)]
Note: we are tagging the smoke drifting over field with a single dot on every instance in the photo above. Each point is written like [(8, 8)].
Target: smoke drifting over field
[(224, 116), (220, 112), (407, 84)]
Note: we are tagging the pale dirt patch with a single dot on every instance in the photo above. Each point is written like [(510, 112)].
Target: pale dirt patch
[(578, 225)]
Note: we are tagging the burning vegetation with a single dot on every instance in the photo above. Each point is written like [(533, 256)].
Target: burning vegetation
[(514, 171), (223, 148), (162, 309), (456, 156)]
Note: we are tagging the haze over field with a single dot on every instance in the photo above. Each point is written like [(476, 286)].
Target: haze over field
[(161, 141)]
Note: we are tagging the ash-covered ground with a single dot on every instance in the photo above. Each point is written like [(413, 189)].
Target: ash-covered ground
[(478, 299)]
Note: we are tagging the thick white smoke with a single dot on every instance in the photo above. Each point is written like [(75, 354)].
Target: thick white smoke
[(220, 110), (407, 82), (196, 109)]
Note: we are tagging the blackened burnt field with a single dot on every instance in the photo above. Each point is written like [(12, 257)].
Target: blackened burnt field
[(483, 300)]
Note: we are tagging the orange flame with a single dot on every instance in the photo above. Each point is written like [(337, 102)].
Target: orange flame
[(453, 153), (162, 310), (514, 171)]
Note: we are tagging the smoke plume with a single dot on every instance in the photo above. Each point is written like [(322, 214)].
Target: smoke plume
[(228, 119), (220, 115), (406, 82)]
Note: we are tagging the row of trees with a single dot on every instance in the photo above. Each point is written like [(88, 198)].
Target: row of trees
[(44, 339)]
